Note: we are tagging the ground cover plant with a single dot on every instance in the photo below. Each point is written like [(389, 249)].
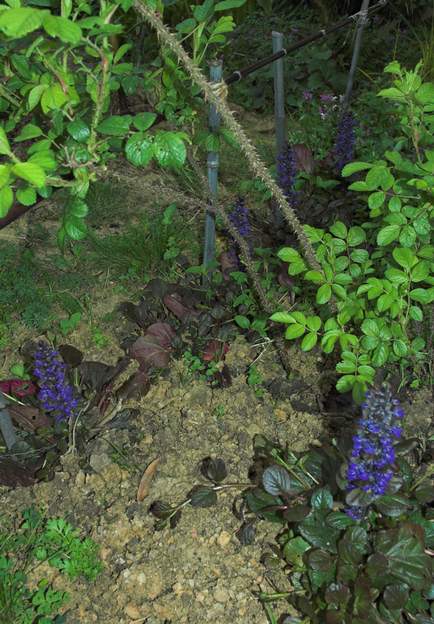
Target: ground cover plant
[(35, 541), (331, 240)]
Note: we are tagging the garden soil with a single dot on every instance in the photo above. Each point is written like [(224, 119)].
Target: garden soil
[(198, 572)]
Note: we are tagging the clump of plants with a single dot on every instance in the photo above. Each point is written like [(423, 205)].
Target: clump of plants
[(373, 291), (35, 541), (357, 523)]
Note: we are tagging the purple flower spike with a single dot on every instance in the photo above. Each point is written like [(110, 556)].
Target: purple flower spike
[(55, 393), (371, 467), (286, 173), (345, 141), (239, 217)]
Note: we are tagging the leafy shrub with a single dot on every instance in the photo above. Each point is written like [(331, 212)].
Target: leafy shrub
[(379, 273)]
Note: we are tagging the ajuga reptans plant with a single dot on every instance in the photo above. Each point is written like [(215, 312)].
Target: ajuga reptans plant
[(373, 565)]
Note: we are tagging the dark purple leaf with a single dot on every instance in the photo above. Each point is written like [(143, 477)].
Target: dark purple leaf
[(153, 349), (135, 386), (70, 355)]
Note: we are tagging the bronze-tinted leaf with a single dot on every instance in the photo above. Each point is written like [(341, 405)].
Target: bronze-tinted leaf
[(135, 386)]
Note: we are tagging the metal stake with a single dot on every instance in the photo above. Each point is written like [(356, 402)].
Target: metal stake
[(216, 72)]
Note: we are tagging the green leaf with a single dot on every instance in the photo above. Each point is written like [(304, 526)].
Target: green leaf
[(416, 313), (4, 175), (139, 149), (295, 268), (356, 236), (35, 95), (396, 276), (63, 28), (204, 11), (322, 499), (352, 548), (6, 200), (313, 323), (75, 227), (400, 348), (169, 149), (420, 272), (422, 295), (30, 172), (294, 331), (30, 131), (346, 367), (143, 121), (317, 532), (185, 27), (407, 236), (392, 93), (20, 21), (242, 321), (405, 553), (277, 481), (395, 204), (294, 549), (116, 125), (339, 229), (404, 257), (5, 148), (282, 317), (53, 98), (392, 505), (425, 93), (309, 341), (314, 276), (345, 383), (203, 496), (226, 5), (44, 159), (79, 130), (323, 294), (287, 254), (354, 168), (376, 200), (77, 207), (26, 196), (388, 234), (380, 176)]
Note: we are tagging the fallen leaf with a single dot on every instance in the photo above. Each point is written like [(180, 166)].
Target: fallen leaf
[(146, 480)]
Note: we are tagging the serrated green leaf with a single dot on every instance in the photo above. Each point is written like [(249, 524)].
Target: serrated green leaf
[(143, 121), (388, 234), (169, 149), (422, 295), (26, 196), (116, 125), (404, 257), (20, 21), (30, 131), (339, 229), (66, 30), (6, 200), (79, 130), (139, 149), (30, 172)]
